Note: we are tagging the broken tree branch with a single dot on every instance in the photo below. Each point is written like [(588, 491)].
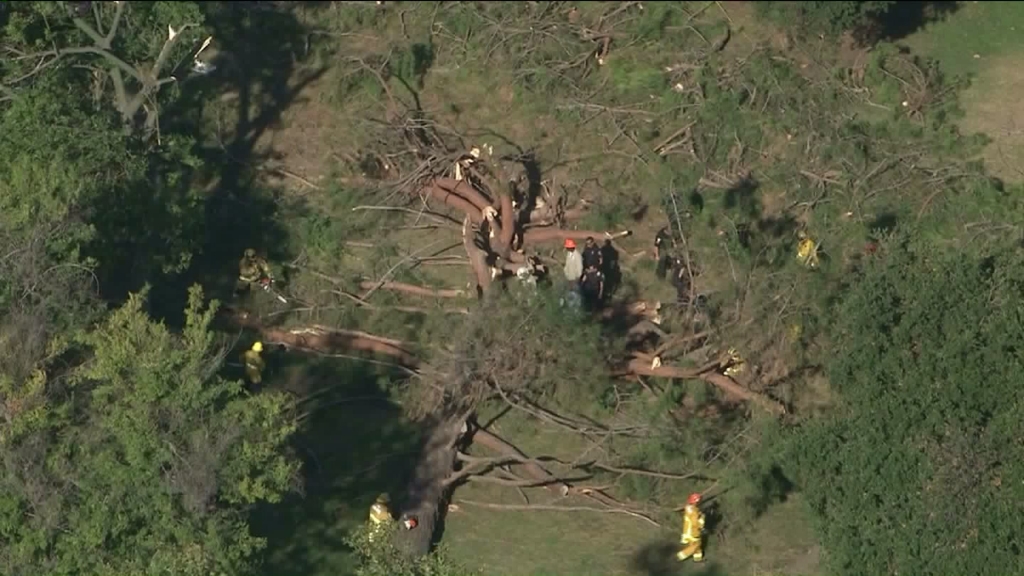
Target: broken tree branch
[(707, 373), (413, 289)]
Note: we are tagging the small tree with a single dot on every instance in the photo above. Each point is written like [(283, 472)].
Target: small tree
[(143, 461), (382, 557)]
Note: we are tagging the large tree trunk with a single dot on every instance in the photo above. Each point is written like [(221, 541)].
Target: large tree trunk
[(427, 495)]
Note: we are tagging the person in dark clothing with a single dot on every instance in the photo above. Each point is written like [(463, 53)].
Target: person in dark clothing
[(663, 248), (592, 287), (592, 257), (663, 242), (610, 267), (681, 280)]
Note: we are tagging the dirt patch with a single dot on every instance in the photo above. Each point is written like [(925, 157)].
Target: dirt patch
[(300, 144), (994, 107)]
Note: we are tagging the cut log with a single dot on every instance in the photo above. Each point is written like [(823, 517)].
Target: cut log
[(456, 201), (464, 190), (326, 340)]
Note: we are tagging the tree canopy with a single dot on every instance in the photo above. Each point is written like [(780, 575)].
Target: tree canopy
[(140, 461), (919, 471)]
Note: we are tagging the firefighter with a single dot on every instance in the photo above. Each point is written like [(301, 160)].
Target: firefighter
[(380, 516), (807, 250), (735, 364), (693, 526), (253, 269), (254, 364)]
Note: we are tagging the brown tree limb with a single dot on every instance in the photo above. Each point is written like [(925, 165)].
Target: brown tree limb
[(465, 190), (456, 201), (325, 339), (708, 374), (639, 515), (413, 289), (535, 471)]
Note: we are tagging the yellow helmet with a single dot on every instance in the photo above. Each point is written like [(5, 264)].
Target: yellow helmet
[(383, 498), (257, 347)]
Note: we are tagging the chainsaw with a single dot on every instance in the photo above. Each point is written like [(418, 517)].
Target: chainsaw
[(268, 286)]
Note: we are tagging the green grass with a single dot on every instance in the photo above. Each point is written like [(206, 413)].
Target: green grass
[(986, 29), (985, 41)]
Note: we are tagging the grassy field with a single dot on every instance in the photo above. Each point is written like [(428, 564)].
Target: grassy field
[(780, 136), (985, 41)]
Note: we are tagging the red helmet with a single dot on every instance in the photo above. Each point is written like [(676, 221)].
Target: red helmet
[(693, 499), (570, 243)]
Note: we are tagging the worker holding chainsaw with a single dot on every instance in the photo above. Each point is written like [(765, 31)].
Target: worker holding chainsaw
[(693, 527), (253, 269)]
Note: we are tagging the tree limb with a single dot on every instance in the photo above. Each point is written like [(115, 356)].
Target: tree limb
[(538, 235), (413, 289), (709, 375), (560, 508)]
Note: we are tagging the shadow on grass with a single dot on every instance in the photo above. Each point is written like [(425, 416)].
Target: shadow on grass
[(659, 559), (354, 445), (905, 18)]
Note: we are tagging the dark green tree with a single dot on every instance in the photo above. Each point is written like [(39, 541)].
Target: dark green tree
[(139, 461), (920, 470)]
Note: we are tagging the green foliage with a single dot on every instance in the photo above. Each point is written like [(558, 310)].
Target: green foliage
[(829, 18), (57, 154), (144, 461), (382, 557), (917, 472)]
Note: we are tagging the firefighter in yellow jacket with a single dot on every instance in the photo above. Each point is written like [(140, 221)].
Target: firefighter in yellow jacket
[(380, 516), (693, 526), (254, 363)]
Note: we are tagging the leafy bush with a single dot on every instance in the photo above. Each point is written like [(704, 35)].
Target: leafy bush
[(919, 472), (382, 557)]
